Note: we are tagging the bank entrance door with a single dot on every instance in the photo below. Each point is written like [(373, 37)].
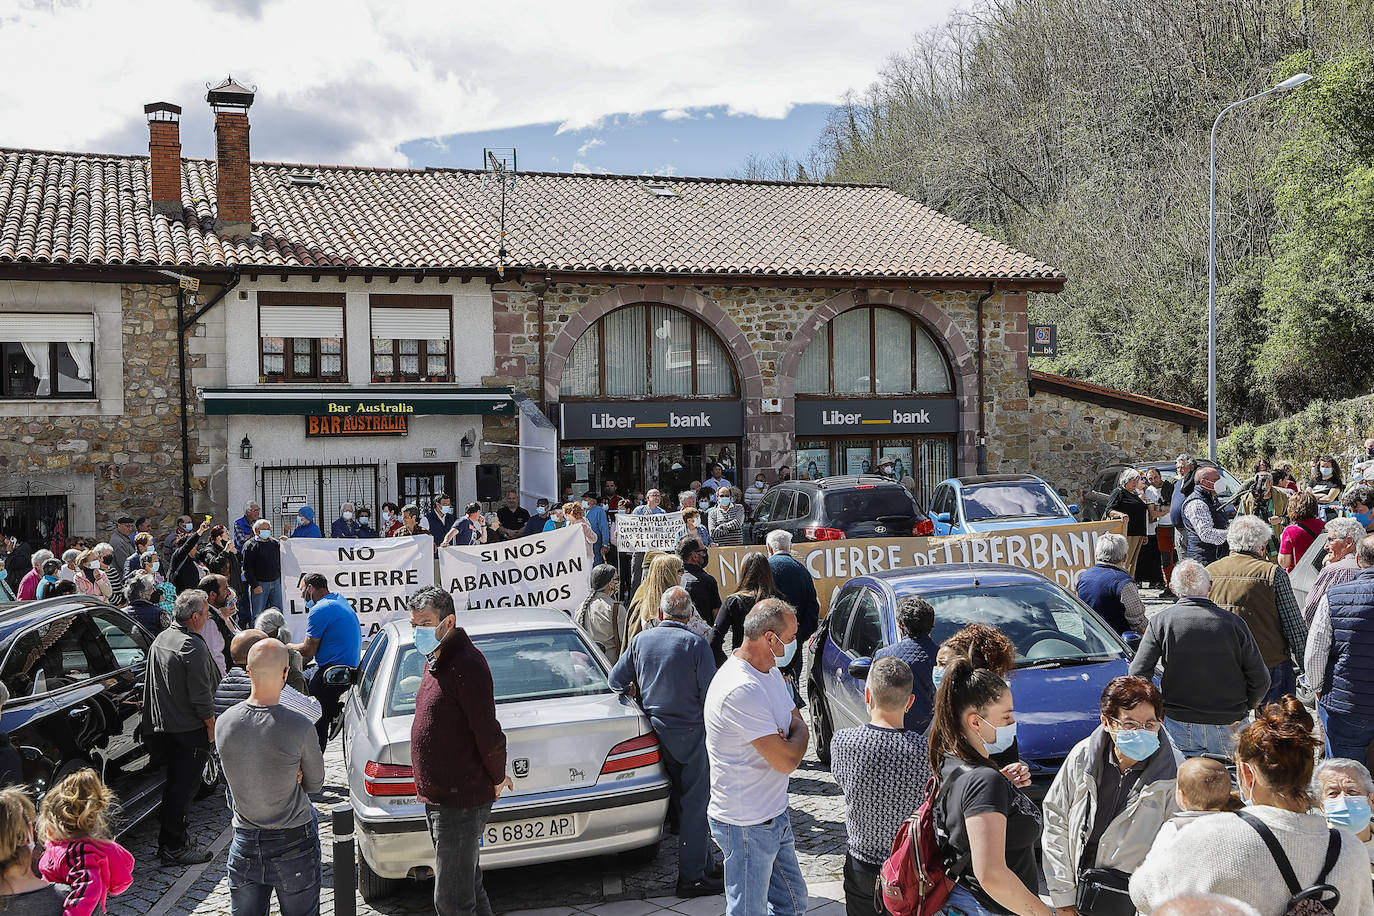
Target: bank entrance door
[(667, 464), (588, 467)]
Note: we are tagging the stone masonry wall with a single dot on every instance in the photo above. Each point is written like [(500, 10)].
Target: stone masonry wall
[(1074, 439), (766, 331), (132, 457)]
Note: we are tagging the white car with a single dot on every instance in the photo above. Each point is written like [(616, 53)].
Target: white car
[(588, 776)]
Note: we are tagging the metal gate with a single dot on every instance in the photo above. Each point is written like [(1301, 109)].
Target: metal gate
[(40, 521), (288, 487)]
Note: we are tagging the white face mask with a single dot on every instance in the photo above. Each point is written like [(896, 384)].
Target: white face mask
[(95, 565), (347, 515), (586, 504), (386, 517), (759, 484), (300, 520)]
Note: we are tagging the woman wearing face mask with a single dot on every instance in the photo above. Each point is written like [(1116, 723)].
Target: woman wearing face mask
[(1326, 483), (1110, 798), (557, 518), (1229, 854), (305, 524), (391, 520), (988, 828), (1305, 528), (21, 890), (988, 648), (1345, 790), (92, 579), (1360, 502), (151, 564)]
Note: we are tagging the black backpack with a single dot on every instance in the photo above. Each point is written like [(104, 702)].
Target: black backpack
[(1320, 899)]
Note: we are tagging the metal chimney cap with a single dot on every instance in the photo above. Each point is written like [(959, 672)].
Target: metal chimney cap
[(167, 110), (230, 94)]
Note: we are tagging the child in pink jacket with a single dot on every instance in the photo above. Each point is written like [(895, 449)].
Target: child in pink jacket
[(74, 818)]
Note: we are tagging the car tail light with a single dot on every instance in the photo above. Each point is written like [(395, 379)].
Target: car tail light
[(388, 779), (865, 486), (817, 533), (632, 754), (924, 528)]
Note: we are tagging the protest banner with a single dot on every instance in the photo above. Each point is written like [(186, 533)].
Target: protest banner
[(640, 533), (542, 570), (1059, 552), (376, 575)]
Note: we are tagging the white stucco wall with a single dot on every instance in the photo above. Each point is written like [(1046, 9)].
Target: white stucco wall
[(107, 362)]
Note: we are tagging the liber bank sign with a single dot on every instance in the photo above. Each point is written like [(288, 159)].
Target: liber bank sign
[(876, 416), (651, 420)]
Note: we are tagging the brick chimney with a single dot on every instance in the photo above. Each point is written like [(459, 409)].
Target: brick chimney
[(164, 157), (233, 193)]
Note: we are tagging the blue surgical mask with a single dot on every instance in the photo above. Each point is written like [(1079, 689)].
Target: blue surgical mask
[(1326, 472), (1349, 812), (542, 510), (937, 674), (1006, 734), (447, 510), (156, 565), (426, 640), (1137, 745), (789, 651), (309, 604), (586, 504), (265, 534), (1364, 517), (725, 501)]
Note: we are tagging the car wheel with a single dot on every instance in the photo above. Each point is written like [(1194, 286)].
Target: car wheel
[(371, 885), (820, 725), (209, 777)]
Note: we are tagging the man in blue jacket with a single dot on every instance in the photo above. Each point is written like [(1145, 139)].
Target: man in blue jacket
[(601, 524), (671, 667)]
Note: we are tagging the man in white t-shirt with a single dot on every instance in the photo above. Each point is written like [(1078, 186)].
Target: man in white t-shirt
[(755, 738)]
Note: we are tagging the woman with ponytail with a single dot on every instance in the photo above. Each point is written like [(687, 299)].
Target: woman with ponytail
[(988, 828), (1228, 854)]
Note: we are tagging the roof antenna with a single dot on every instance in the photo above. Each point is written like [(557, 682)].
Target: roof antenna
[(500, 164)]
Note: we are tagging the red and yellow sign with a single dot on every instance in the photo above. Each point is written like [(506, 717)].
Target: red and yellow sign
[(368, 424)]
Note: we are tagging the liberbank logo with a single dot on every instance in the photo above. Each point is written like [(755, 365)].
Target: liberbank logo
[(699, 420), (904, 417)]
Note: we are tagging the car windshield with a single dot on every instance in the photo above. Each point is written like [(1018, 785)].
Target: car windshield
[(1047, 626), (1011, 499), (538, 665), (864, 505)]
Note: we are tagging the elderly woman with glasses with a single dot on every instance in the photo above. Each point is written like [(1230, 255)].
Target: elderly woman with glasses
[(1111, 796)]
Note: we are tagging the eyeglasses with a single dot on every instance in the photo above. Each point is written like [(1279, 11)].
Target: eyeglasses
[(1126, 725)]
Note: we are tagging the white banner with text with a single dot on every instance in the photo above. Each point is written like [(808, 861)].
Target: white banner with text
[(376, 575), (543, 570)]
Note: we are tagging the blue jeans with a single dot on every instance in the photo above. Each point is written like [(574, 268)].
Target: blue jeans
[(270, 597), (762, 877), (284, 861), (684, 754), (457, 834), (962, 903), (1283, 679), (1192, 739), (1346, 735)]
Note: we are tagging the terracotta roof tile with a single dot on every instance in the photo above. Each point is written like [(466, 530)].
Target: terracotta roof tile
[(64, 208)]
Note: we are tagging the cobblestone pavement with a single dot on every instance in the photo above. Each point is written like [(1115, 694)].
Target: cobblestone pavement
[(602, 887)]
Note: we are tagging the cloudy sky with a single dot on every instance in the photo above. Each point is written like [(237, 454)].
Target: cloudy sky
[(597, 85)]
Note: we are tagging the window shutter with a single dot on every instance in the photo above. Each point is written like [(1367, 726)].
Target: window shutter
[(301, 321), (47, 327), (410, 324)]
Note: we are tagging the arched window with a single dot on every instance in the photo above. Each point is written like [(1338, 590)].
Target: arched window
[(648, 351), (873, 351)]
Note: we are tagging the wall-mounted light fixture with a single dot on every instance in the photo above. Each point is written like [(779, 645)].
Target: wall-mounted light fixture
[(246, 449), (467, 444)]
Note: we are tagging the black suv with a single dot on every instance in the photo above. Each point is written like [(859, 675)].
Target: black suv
[(838, 507), (74, 668)]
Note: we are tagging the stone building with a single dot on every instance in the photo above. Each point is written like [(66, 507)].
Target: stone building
[(191, 334)]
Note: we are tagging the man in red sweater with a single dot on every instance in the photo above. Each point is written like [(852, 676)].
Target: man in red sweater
[(457, 749)]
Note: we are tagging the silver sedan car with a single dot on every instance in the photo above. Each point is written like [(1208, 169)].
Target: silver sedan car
[(586, 765)]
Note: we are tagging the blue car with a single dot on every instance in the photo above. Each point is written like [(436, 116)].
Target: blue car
[(997, 502), (1065, 653)]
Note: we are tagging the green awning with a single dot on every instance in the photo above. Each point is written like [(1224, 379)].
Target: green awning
[(321, 402)]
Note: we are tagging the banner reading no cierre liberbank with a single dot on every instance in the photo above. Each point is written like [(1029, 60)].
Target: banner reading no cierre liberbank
[(1058, 552), (376, 575)]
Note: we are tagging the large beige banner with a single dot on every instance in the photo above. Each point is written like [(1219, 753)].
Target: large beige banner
[(1058, 552)]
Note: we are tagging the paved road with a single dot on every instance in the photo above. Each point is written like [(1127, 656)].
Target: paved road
[(600, 887)]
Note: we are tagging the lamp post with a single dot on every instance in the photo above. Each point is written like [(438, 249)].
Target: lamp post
[(1293, 81)]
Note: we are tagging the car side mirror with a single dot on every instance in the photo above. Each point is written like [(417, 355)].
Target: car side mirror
[(942, 517), (340, 676), (858, 669), (1132, 639), (1073, 508)]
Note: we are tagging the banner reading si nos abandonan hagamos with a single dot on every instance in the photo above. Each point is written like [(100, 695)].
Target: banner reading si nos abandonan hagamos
[(376, 575), (1059, 552), (543, 570)]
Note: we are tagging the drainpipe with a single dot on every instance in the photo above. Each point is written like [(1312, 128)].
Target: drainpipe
[(539, 290), (183, 325), (982, 410)]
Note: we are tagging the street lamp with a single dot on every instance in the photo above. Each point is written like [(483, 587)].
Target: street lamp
[(1293, 81)]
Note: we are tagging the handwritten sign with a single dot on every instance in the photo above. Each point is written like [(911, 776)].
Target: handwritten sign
[(648, 532), (544, 570), (375, 575), (1059, 552)]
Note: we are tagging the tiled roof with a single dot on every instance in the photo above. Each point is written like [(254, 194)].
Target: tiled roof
[(76, 209), (1136, 403)]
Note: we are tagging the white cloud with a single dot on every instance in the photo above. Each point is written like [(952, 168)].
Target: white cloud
[(590, 145), (676, 114), (351, 80)]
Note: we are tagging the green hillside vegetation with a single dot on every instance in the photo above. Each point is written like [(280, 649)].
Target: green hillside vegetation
[(1078, 130), (1336, 428)]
